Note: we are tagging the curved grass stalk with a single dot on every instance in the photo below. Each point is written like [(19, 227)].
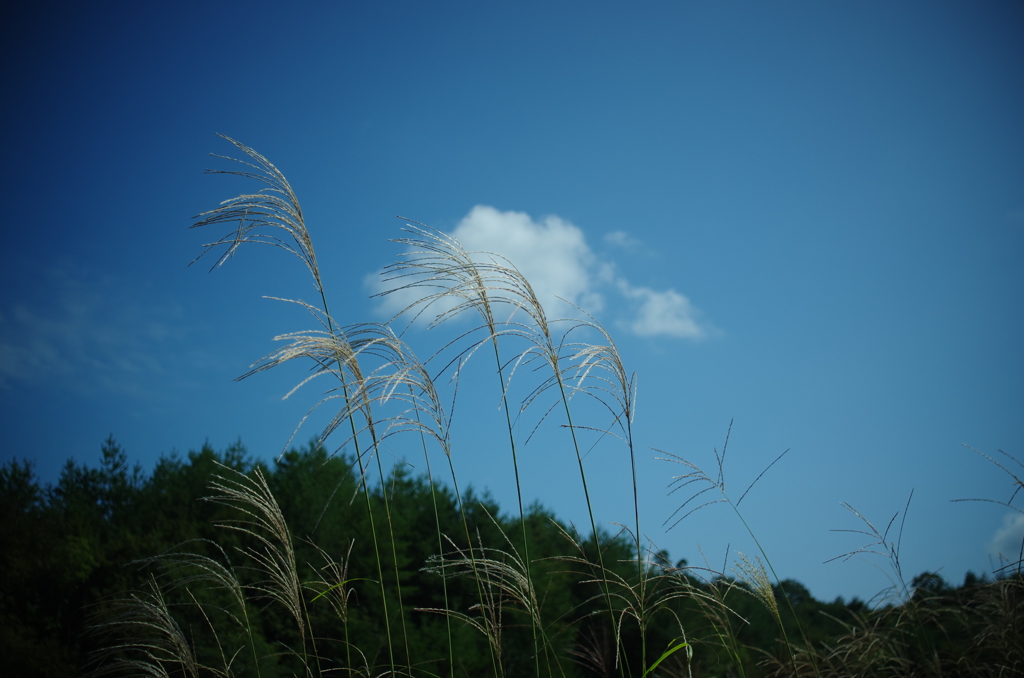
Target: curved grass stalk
[(158, 640), (551, 353), (255, 217), (640, 600), (404, 379), (696, 475), (336, 590), (487, 575), (339, 354), (721, 616), (1017, 485), (601, 374), (453, 272), (440, 547), (264, 522), (458, 280), (184, 569), (900, 591), (506, 579)]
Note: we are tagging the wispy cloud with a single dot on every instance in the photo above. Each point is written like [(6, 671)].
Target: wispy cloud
[(622, 240), (87, 332), (554, 256), (1006, 542)]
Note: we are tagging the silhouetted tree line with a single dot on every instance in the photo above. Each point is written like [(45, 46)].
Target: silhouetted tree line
[(71, 550)]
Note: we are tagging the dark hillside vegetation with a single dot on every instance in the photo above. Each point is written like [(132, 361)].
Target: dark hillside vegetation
[(75, 551)]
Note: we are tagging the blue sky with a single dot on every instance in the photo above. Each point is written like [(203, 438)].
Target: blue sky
[(804, 217)]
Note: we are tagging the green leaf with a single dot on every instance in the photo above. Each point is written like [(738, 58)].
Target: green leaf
[(669, 651)]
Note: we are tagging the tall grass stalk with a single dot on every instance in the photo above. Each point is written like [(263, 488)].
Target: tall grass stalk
[(156, 639), (639, 601), (256, 218), (440, 262), (1017, 485), (752, 571), (440, 537), (274, 556), (337, 590), (882, 546), (442, 272), (544, 347), (505, 579)]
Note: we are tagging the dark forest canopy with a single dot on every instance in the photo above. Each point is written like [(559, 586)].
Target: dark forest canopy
[(73, 553)]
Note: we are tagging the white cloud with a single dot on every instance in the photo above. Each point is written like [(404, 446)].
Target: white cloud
[(666, 313), (554, 256), (622, 240), (1005, 544)]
